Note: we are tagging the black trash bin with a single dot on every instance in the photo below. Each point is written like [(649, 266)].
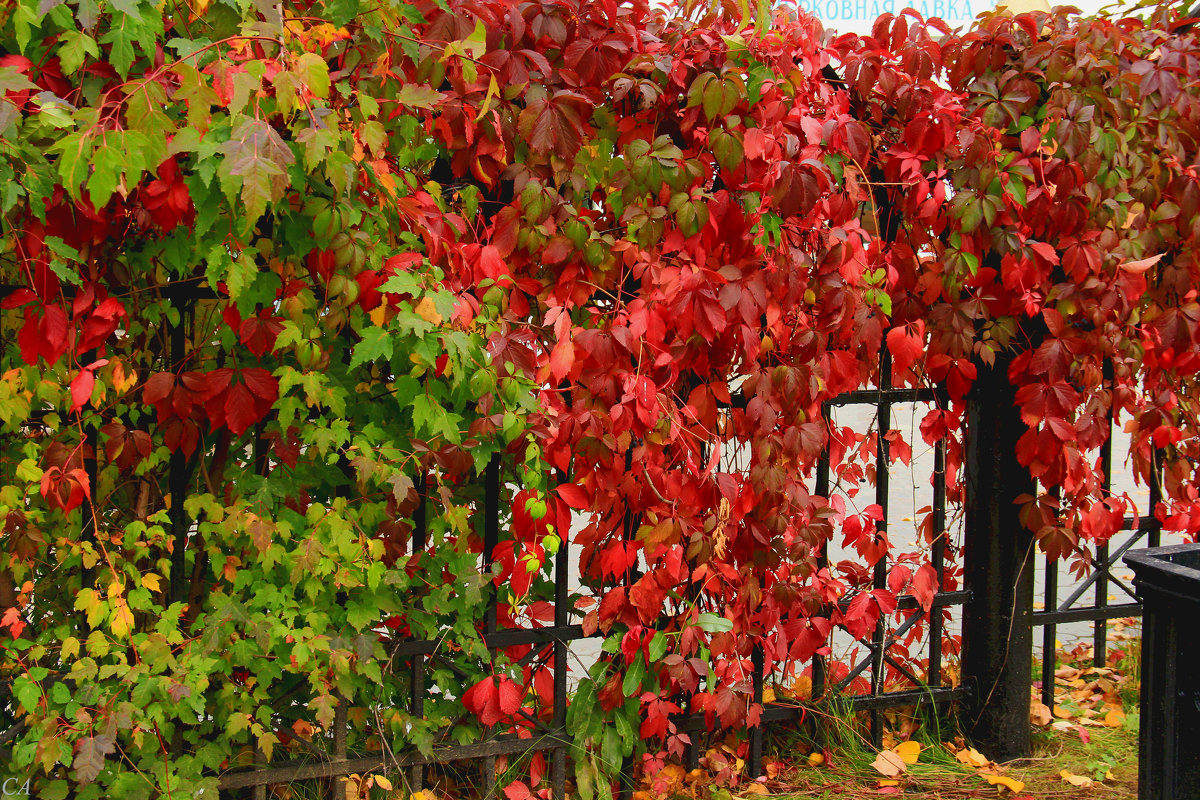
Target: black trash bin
[(1167, 580)]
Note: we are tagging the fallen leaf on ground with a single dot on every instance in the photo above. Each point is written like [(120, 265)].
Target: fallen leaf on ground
[(909, 751), (1062, 712), (1040, 714), (755, 788), (972, 757), (1014, 786), (1075, 780), (1114, 718), (889, 764)]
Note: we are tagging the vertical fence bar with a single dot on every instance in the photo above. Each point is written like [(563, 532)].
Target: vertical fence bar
[(340, 726), (1049, 634), (558, 766), (883, 411), (754, 762), (937, 559), (87, 510), (491, 536), (1155, 527), (260, 760), (491, 530), (1100, 626), (177, 482), (822, 490), (629, 523), (416, 678)]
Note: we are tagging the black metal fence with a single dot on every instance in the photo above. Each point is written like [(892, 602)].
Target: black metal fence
[(1144, 531), (551, 644)]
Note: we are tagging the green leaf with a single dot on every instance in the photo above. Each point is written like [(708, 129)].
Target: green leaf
[(196, 92), (258, 156), (658, 647), (417, 96), (313, 70), (713, 623), (74, 48), (28, 693), (633, 676), (376, 343), (13, 81), (120, 38)]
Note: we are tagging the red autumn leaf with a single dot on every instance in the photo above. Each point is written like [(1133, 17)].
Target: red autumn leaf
[(1141, 265), (240, 409), (906, 345), (81, 389), (924, 586), (65, 490), (12, 620), (898, 578), (647, 596), (861, 615), (611, 607), (936, 425), (493, 699), (810, 638), (261, 383), (18, 298), (574, 496), (259, 334), (562, 357), (517, 790)]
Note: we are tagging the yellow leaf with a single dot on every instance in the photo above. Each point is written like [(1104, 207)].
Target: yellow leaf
[(1040, 714), (122, 381), (909, 751), (1000, 780), (1062, 712), (1075, 780), (815, 759), (421, 795), (756, 788), (1114, 718), (888, 783), (768, 695), (889, 764), (972, 757), (150, 581), (115, 590), (122, 618), (493, 90), (383, 783), (427, 311)]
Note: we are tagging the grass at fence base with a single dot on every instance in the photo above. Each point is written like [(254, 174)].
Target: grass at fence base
[(1111, 755), (1067, 752), (830, 756)]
